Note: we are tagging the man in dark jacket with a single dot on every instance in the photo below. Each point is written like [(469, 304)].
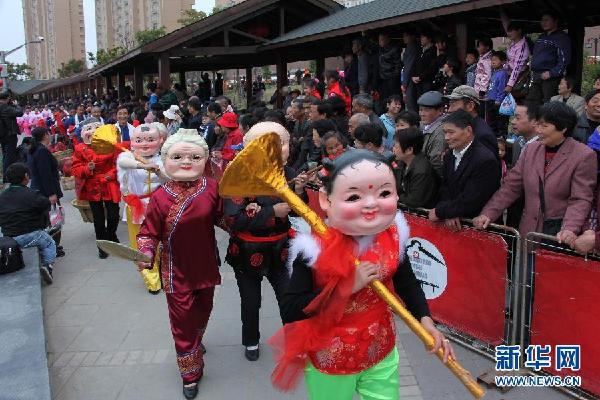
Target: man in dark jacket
[(466, 98), (470, 173), (367, 65), (590, 119), (167, 98), (24, 216), (9, 130), (550, 58), (424, 69), (416, 180), (411, 52), (390, 65), (351, 72)]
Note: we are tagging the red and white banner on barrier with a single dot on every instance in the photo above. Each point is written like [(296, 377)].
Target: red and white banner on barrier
[(463, 275), (566, 311)]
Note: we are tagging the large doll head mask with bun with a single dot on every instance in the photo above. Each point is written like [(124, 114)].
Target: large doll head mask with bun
[(184, 155), (145, 140), (263, 128), (359, 193)]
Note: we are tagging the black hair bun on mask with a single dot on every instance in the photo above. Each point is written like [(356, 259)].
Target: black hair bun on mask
[(349, 159)]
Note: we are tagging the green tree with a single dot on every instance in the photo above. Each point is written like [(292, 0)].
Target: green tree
[(188, 17), (19, 72), (72, 67), (105, 56), (266, 72), (148, 35), (590, 73)]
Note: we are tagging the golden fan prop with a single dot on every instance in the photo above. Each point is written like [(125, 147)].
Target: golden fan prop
[(104, 139), (258, 171), (122, 251)]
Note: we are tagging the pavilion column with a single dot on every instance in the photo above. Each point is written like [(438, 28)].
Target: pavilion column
[(281, 68), (99, 86), (92, 86), (577, 34), (462, 40), (138, 80), (320, 68), (164, 71), (107, 83), (82, 88), (181, 76), (121, 83), (248, 86)]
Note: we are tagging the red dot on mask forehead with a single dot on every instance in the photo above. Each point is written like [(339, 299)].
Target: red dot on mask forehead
[(370, 186)]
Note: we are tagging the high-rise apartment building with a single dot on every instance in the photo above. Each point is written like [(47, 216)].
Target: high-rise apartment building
[(346, 3), (61, 25), (117, 21), (226, 3), (352, 3)]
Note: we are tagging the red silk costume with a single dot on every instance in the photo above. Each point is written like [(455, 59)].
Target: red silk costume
[(101, 182), (347, 333), (181, 217)]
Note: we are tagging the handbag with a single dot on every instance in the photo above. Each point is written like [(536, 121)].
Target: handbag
[(550, 226), (521, 88), (11, 256)]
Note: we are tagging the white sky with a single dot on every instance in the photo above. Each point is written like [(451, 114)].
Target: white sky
[(12, 32)]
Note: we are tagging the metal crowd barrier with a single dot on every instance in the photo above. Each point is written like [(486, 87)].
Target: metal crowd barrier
[(520, 277), (511, 335), (537, 244)]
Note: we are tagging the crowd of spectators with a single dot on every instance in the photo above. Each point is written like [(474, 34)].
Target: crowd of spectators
[(456, 154)]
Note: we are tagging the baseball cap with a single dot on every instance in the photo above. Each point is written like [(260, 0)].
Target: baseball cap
[(464, 92)]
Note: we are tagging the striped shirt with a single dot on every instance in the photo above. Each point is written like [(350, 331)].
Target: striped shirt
[(518, 56)]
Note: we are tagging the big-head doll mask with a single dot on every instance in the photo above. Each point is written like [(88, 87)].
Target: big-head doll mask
[(359, 193), (184, 155), (145, 140), (263, 128)]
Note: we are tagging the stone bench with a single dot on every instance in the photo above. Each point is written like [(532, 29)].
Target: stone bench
[(23, 357)]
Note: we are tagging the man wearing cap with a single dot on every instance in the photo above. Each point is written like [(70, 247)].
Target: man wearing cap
[(229, 134), (431, 111), (466, 98)]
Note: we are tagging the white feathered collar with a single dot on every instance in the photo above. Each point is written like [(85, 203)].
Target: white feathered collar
[(306, 245)]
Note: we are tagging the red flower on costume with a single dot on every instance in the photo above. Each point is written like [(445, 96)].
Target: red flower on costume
[(256, 260), (234, 249)]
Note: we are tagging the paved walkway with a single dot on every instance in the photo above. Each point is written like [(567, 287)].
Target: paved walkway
[(108, 338)]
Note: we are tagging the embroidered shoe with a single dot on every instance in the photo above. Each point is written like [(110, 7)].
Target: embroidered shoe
[(190, 391)]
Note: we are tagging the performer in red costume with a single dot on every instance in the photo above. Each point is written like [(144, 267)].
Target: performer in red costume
[(340, 333), (181, 217), (96, 182), (337, 88)]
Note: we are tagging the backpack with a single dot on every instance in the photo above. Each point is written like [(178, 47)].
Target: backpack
[(11, 256)]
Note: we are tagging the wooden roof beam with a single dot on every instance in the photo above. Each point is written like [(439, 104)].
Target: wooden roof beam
[(214, 51), (248, 35)]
